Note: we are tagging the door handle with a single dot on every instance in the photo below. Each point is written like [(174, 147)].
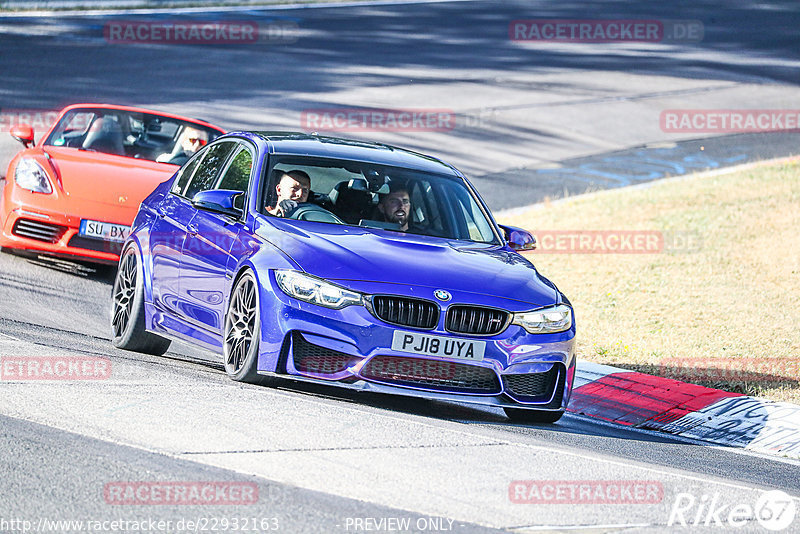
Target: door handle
[(161, 212), (193, 229)]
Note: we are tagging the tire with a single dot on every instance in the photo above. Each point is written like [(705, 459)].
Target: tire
[(127, 309), (240, 340), (519, 415)]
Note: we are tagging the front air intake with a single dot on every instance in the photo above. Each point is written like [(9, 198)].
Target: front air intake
[(404, 311), (38, 230), (476, 320)]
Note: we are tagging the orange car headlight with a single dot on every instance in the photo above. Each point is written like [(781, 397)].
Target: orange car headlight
[(31, 176)]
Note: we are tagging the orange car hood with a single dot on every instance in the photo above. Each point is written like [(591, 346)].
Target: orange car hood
[(105, 187)]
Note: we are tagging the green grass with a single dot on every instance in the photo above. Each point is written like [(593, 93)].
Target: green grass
[(725, 314)]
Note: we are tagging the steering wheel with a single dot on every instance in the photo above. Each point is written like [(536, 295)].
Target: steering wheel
[(311, 212)]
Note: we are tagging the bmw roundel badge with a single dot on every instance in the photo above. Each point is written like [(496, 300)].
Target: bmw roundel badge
[(442, 295)]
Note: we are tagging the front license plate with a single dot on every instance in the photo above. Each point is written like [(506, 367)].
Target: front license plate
[(104, 230), (444, 347)]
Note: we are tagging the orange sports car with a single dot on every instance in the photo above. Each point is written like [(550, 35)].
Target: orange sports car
[(76, 192)]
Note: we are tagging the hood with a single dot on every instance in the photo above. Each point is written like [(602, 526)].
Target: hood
[(104, 187), (347, 253)]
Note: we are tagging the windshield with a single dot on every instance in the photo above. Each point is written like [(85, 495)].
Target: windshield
[(136, 135), (376, 196)]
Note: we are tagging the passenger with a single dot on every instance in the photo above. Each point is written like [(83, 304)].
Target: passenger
[(190, 141), (293, 188)]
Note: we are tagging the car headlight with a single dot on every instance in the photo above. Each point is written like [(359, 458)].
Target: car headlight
[(315, 290), (31, 176), (545, 321)]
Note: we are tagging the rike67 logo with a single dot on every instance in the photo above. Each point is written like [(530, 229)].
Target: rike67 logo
[(774, 511)]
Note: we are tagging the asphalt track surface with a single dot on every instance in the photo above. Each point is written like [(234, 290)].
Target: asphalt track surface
[(320, 457), (523, 112), (326, 461)]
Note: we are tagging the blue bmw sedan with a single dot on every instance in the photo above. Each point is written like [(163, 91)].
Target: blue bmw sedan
[(348, 263)]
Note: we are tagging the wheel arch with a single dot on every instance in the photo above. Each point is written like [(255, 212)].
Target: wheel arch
[(147, 269), (273, 330)]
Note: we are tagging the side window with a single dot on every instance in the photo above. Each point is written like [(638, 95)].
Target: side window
[(71, 128), (237, 175), (186, 173), (207, 171)]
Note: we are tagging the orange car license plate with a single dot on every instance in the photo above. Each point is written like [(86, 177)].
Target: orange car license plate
[(104, 230)]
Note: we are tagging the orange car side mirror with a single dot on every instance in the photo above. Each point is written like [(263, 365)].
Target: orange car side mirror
[(22, 133)]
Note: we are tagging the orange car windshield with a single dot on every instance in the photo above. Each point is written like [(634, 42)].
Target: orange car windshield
[(130, 134)]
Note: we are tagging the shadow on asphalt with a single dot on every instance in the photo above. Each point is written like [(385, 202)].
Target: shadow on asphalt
[(399, 39), (464, 413), (443, 410), (98, 272)]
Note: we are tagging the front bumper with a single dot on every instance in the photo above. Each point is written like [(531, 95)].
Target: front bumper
[(497, 401), (351, 348), (31, 229)]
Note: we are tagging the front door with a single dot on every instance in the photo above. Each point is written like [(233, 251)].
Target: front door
[(206, 256)]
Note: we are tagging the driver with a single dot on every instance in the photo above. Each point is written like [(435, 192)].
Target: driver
[(293, 188), (395, 207), (190, 141)]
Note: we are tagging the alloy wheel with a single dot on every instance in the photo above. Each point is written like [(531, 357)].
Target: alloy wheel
[(124, 292), (240, 324)]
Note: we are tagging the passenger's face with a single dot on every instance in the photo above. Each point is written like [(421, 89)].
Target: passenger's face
[(291, 189), (396, 207)]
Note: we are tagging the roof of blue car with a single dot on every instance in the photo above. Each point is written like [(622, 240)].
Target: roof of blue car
[(301, 144)]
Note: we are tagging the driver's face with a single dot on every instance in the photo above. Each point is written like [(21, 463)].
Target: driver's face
[(291, 189), (193, 140), (396, 207)]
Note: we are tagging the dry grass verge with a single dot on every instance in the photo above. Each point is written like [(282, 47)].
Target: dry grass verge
[(723, 312)]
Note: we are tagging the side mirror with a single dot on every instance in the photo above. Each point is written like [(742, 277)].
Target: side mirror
[(221, 201), (519, 239), (22, 133)]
